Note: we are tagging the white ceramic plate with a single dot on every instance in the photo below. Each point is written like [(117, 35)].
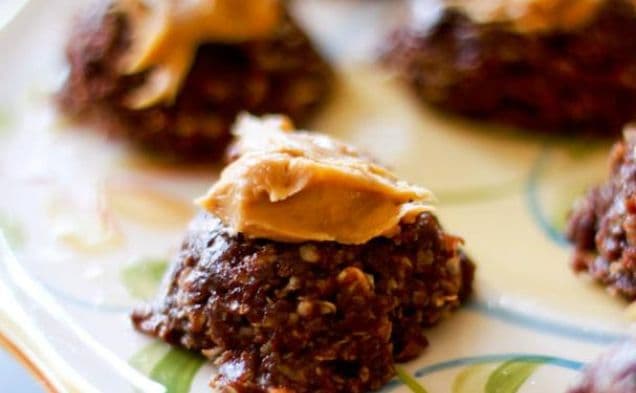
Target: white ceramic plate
[(90, 226)]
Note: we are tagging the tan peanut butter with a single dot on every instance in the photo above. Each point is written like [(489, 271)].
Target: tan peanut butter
[(297, 186), (166, 34), (531, 15)]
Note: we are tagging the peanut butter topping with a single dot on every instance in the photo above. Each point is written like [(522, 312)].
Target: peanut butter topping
[(296, 187), (531, 15), (166, 34)]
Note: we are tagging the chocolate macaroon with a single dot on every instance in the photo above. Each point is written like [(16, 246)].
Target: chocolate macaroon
[(309, 269), (556, 66), (612, 372), (172, 75), (602, 225)]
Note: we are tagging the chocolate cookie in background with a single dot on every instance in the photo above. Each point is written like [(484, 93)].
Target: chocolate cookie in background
[(172, 77), (555, 66), (602, 225), (613, 372), (310, 269)]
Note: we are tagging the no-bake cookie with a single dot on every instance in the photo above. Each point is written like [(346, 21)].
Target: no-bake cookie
[(602, 225), (172, 75), (309, 269), (612, 372), (548, 65)]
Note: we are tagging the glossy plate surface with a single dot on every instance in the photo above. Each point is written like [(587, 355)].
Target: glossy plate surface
[(90, 226)]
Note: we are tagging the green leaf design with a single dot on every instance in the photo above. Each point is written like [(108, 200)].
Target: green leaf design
[(177, 370), (473, 379), (409, 381), (174, 368), (12, 231), (5, 121), (142, 278), (511, 375), (146, 359)]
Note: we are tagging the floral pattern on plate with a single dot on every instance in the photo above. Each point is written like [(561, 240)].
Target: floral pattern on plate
[(530, 327)]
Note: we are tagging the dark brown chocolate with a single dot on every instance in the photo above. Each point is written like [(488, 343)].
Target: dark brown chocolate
[(283, 74), (319, 317), (602, 225), (581, 81)]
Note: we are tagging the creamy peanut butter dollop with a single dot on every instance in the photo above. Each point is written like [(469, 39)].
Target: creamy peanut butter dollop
[(527, 16), (165, 35), (296, 186)]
